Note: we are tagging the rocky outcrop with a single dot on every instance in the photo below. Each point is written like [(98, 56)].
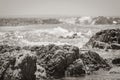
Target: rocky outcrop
[(55, 59), (66, 60), (75, 69), (19, 65), (92, 61), (50, 61), (87, 63), (105, 39), (59, 62)]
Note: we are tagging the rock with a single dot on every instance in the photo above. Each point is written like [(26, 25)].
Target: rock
[(55, 59), (45, 62), (109, 38), (116, 61), (61, 60), (57, 64), (21, 65), (75, 69), (87, 63), (115, 46), (92, 61), (26, 62), (101, 45), (6, 48)]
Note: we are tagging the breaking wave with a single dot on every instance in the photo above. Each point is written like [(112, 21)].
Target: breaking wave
[(56, 35)]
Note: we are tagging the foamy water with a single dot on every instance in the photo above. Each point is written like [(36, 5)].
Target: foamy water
[(46, 36)]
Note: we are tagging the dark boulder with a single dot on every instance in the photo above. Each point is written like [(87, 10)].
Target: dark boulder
[(55, 59), (75, 69), (116, 61), (18, 66), (92, 61), (51, 61), (57, 64), (62, 60), (87, 63), (109, 38), (115, 46)]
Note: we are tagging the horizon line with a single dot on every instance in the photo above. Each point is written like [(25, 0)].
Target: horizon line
[(50, 16)]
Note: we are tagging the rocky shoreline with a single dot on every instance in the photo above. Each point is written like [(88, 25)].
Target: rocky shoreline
[(47, 62), (57, 61)]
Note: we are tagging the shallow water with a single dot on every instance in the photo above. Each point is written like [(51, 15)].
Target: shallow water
[(95, 77), (101, 75)]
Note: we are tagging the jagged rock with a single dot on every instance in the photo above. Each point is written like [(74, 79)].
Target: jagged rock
[(75, 69), (20, 65), (55, 59), (57, 64), (109, 38), (93, 61), (61, 59), (87, 63)]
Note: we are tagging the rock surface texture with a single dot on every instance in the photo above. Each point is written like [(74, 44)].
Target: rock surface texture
[(105, 39), (46, 62), (20, 65)]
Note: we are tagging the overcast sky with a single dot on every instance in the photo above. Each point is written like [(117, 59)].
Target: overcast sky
[(60, 7)]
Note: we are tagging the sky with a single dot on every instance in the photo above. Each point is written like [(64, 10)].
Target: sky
[(59, 8)]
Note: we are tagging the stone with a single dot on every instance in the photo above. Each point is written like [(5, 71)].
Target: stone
[(55, 59), (21, 65), (116, 61), (93, 61), (75, 69), (109, 38)]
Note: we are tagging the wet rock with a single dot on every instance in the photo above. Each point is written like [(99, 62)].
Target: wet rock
[(51, 61), (92, 61), (55, 59), (116, 61), (109, 38), (20, 65), (61, 60), (75, 69), (101, 45), (57, 64), (115, 46)]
